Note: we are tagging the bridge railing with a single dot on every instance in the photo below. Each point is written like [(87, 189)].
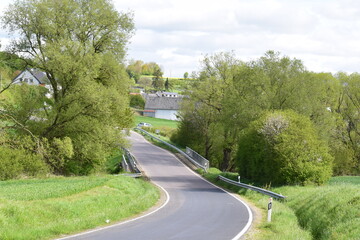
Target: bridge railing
[(192, 160), (130, 162)]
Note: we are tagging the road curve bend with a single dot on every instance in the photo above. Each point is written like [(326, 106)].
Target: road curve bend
[(195, 210)]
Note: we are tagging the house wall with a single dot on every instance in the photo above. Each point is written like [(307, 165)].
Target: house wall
[(149, 114), (166, 114), (27, 77)]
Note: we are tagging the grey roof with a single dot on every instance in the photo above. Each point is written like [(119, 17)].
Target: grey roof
[(162, 103), (40, 76)]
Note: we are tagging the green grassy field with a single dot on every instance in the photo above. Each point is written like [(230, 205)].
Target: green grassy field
[(48, 208), (156, 122)]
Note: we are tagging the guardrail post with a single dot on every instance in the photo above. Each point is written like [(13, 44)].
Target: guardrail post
[(269, 210), (239, 179)]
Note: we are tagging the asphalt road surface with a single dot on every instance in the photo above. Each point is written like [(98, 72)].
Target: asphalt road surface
[(195, 209)]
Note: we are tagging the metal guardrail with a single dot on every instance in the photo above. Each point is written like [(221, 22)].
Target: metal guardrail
[(198, 158), (130, 163), (257, 189), (125, 165), (175, 148)]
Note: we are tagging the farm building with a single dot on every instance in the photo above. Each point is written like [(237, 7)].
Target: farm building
[(163, 105)]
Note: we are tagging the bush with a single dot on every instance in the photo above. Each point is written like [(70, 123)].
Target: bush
[(282, 147), (15, 163), (137, 101), (162, 131)]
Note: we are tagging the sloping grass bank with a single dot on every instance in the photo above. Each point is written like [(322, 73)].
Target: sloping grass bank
[(48, 208), (328, 212)]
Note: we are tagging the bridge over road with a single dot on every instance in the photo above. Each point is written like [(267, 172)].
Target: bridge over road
[(194, 210)]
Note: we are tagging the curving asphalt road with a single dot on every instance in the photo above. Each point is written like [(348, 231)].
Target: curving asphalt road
[(195, 208)]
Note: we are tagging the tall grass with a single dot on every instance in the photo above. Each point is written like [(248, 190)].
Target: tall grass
[(43, 209), (330, 212)]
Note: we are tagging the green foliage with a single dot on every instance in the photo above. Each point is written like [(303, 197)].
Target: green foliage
[(113, 163), (137, 68), (349, 107), (158, 83), (16, 163), (229, 94), (137, 101), (12, 61), (58, 152), (283, 148), (24, 106), (50, 208), (162, 131), (81, 47)]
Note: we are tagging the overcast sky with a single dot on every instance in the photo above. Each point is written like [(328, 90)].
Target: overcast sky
[(176, 34)]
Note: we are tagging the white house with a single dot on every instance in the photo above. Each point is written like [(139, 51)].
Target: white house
[(163, 105), (33, 77)]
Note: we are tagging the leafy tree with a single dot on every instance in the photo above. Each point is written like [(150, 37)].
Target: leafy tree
[(81, 46), (158, 82), (167, 84), (134, 69), (15, 163), (137, 101), (348, 131), (283, 147), (137, 68), (186, 75), (210, 94), (236, 93)]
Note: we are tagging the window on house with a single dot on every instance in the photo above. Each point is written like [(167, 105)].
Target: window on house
[(25, 80), (31, 80)]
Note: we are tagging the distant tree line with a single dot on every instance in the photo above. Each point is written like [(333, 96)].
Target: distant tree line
[(137, 68), (272, 120)]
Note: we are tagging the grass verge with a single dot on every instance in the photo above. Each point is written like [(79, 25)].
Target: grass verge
[(48, 208), (156, 122)]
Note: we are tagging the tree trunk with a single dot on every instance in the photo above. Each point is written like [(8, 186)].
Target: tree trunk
[(226, 159), (208, 146)]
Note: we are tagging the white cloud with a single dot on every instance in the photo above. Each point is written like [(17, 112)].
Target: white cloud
[(176, 33)]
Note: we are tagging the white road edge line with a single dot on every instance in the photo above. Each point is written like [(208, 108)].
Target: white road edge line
[(121, 223), (248, 224)]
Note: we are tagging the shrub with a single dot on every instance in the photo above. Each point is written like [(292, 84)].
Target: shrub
[(18, 162), (282, 147), (162, 131), (137, 101)]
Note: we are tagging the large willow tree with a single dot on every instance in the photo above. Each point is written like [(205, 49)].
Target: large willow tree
[(81, 45)]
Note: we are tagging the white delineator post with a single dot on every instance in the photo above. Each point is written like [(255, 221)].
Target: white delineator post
[(269, 210)]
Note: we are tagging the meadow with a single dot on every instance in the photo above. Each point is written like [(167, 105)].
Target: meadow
[(54, 207), (156, 122)]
